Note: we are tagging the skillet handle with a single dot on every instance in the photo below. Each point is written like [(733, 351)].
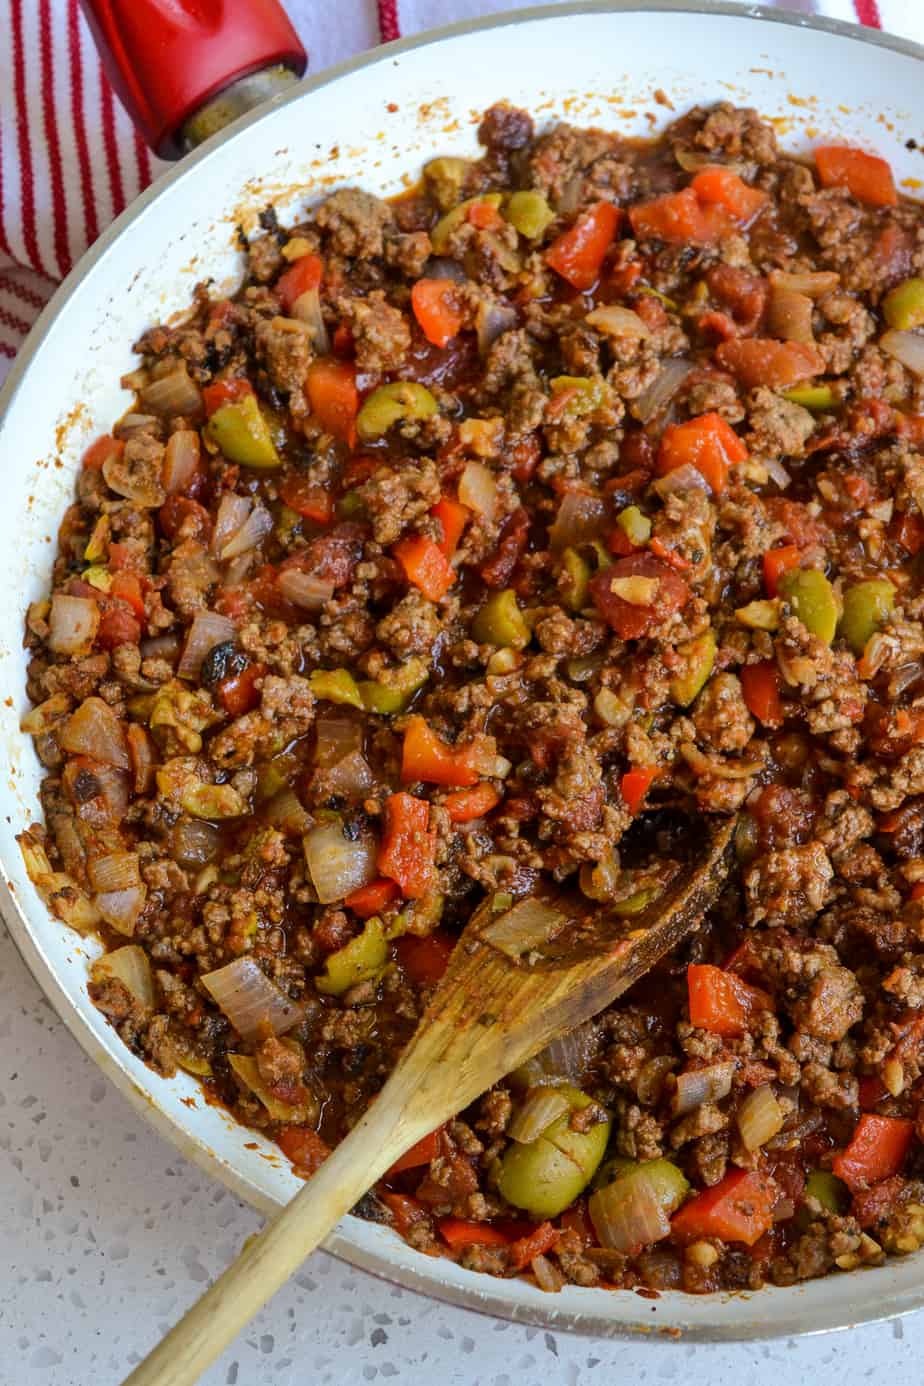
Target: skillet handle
[(185, 68)]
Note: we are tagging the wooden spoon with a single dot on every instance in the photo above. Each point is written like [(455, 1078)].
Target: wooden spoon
[(489, 1014)]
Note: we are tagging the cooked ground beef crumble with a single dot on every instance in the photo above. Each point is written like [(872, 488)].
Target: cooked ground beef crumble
[(482, 536)]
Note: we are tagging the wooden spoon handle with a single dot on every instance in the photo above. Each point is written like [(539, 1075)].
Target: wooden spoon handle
[(269, 1258)]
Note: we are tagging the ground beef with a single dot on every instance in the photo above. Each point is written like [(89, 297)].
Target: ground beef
[(354, 222)]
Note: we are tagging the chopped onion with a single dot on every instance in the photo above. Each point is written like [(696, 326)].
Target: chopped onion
[(237, 569), (814, 282), (699, 1085), (46, 715), (336, 865), (173, 394), (777, 472), (906, 347), (440, 267), (540, 1108), (629, 1213), (60, 891), (194, 843), (580, 519), (336, 737), (253, 531), (548, 1277), (351, 776), (760, 1116), (73, 624), (478, 489), (120, 908), (128, 965), (232, 512), (95, 730), (492, 320), (306, 590), (685, 478), (307, 309), (285, 810), (530, 923), (616, 321), (161, 647), (662, 389), (692, 162), (569, 1056), (181, 459), (116, 871), (137, 481), (789, 315), (207, 630), (244, 993), (302, 1113), (650, 1081), (137, 423)]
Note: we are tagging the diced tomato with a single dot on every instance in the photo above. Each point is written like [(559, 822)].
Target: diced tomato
[(302, 275), (761, 687), (514, 536), (307, 498), (118, 625), (405, 1212), (876, 1151), (762, 361), (578, 253), (628, 620), (422, 1153), (424, 960), (536, 1243), (911, 427), (917, 890), (460, 1232), (123, 558), (343, 341), (372, 898), (907, 529), (776, 563), (671, 556), (635, 784), (425, 565), (178, 512), (876, 1203), (722, 186), (722, 1002), (866, 177), (425, 756), (436, 308), (708, 443), (892, 253), (408, 845), (737, 1209), (334, 398), (742, 294), (100, 451), (622, 280), (468, 804), (238, 693), (303, 1147), (484, 216), (680, 217), (126, 587), (524, 456), (222, 392), (453, 517)]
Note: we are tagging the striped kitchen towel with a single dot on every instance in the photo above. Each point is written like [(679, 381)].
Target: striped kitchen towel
[(70, 160)]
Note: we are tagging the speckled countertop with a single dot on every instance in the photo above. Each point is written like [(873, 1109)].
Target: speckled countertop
[(106, 1235)]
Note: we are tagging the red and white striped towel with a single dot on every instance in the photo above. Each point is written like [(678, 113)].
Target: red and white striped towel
[(70, 160)]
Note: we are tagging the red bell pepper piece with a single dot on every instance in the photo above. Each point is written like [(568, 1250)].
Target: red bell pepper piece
[(485, 216), (876, 1151), (721, 186), (460, 1232), (101, 450), (722, 1002), (635, 784), (680, 217), (307, 499), (776, 563), (425, 565), (408, 845), (708, 443), (126, 587), (372, 898), (222, 392), (303, 1147), (424, 960), (118, 625), (302, 275), (760, 685), (453, 517), (425, 756), (737, 1209), (535, 1243), (578, 253), (762, 361), (908, 530), (426, 1149), (405, 1212), (436, 308), (467, 804), (334, 398), (237, 693), (865, 176)]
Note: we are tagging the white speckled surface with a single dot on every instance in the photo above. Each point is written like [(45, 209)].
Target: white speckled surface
[(106, 1235)]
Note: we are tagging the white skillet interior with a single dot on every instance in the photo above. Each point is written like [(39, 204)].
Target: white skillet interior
[(372, 124)]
